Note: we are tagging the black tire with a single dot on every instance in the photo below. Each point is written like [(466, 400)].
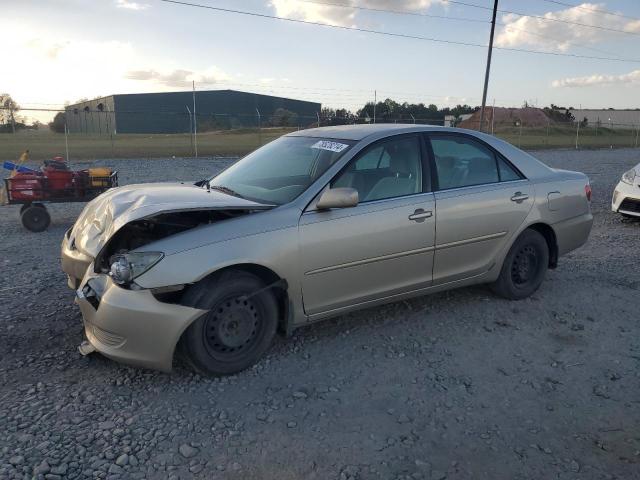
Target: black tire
[(24, 207), (35, 218), (239, 327), (524, 267)]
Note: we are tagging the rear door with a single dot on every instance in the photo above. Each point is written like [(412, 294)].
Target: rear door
[(381, 247), (481, 199)]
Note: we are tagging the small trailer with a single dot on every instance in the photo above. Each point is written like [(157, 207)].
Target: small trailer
[(53, 183)]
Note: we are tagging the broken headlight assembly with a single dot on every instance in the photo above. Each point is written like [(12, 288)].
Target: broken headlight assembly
[(126, 267)]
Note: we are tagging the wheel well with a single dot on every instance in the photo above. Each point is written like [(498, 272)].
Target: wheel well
[(552, 242), (269, 277)]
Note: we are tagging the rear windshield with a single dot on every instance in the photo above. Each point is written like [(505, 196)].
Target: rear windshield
[(281, 170)]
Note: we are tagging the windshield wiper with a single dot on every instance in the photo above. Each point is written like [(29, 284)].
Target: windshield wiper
[(224, 189)]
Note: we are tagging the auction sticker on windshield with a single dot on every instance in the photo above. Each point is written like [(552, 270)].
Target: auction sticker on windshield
[(331, 146)]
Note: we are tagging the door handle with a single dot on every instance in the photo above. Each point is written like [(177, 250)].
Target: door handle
[(420, 215), (519, 197)]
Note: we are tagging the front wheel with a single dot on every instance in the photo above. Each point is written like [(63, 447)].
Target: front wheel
[(524, 267), (237, 329)]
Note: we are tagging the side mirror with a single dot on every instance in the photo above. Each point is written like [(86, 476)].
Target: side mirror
[(338, 198)]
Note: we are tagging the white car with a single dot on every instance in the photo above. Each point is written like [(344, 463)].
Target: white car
[(626, 196)]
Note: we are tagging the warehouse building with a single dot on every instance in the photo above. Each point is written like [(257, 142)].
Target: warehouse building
[(172, 112), (626, 119)]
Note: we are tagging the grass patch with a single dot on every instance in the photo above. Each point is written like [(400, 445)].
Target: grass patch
[(45, 144)]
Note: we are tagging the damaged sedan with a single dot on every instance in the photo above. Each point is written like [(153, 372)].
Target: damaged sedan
[(315, 224)]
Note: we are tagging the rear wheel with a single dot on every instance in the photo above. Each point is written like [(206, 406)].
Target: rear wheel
[(524, 267), (35, 218), (238, 328)]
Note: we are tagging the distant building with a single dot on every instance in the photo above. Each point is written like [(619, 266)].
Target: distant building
[(171, 112), (616, 118)]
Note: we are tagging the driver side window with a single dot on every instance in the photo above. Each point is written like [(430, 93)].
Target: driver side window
[(385, 170)]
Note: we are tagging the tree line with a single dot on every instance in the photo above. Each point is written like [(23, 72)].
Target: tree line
[(389, 111)]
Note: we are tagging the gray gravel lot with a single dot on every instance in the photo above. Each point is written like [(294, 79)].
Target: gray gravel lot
[(458, 385)]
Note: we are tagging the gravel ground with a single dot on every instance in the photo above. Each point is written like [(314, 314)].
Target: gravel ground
[(457, 385)]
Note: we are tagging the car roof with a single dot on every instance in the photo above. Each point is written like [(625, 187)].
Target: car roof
[(361, 131), (527, 164)]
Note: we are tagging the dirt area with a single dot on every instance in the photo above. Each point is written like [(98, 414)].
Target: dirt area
[(501, 116), (458, 385)]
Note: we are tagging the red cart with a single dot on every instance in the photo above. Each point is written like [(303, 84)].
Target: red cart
[(54, 183)]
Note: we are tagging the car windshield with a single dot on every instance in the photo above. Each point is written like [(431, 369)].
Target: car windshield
[(281, 170)]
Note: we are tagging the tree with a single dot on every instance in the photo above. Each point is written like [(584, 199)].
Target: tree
[(559, 114), (284, 118), (57, 125), (8, 109)]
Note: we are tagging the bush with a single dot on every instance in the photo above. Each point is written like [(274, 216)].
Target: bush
[(57, 125)]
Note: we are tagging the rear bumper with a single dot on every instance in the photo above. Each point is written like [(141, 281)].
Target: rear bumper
[(626, 199), (132, 326), (573, 233)]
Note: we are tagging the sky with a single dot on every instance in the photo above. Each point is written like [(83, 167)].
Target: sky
[(59, 51)]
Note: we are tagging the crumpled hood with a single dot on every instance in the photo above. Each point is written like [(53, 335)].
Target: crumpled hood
[(107, 213)]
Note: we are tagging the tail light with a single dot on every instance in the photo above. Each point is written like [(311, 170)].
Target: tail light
[(587, 191)]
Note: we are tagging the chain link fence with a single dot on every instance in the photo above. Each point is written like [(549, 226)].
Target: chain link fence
[(95, 135)]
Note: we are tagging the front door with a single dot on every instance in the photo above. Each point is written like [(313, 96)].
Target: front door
[(481, 199), (379, 248)]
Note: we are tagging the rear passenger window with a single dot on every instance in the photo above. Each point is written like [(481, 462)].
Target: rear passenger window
[(463, 162)]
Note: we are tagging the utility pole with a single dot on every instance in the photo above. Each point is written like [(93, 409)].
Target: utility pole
[(190, 128), (486, 75), (195, 126), (375, 102), (259, 127)]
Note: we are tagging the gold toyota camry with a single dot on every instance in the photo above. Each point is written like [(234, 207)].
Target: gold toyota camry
[(312, 225)]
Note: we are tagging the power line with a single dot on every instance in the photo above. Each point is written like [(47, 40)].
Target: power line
[(393, 34), (445, 17), (540, 17), (547, 37), (593, 10), (395, 12)]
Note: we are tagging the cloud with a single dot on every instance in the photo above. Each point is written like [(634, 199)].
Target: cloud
[(313, 12), (75, 67), (179, 77), (598, 80), (131, 5), (536, 32)]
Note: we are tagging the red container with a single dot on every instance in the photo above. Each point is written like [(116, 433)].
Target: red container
[(26, 186), (59, 179)]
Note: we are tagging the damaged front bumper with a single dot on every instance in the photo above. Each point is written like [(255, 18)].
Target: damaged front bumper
[(74, 262), (131, 326)]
